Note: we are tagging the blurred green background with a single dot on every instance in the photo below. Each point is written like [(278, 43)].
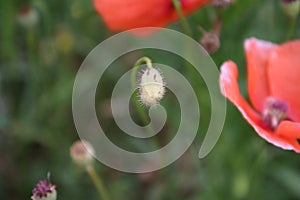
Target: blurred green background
[(40, 56)]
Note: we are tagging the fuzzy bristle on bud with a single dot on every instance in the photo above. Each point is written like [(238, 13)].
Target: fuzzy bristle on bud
[(44, 190), (82, 153), (151, 87)]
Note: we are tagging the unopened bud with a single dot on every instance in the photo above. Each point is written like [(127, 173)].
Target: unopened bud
[(151, 87), (291, 7), (210, 40), (44, 190), (27, 16), (82, 153)]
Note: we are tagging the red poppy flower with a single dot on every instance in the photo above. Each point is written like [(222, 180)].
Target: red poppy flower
[(121, 15), (273, 86)]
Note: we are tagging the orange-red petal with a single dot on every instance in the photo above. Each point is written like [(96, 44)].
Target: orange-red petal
[(191, 5), (230, 89), (257, 54), (127, 14), (289, 129), (284, 75)]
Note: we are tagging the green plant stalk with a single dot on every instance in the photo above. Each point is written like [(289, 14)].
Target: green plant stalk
[(144, 59), (97, 182), (183, 21), (291, 31), (187, 68), (140, 111), (185, 26)]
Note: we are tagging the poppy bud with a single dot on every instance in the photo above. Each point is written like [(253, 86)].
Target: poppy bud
[(291, 7), (44, 190), (27, 16), (151, 87), (210, 40), (82, 153)]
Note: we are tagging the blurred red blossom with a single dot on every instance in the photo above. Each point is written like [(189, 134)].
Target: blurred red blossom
[(273, 85), (121, 15)]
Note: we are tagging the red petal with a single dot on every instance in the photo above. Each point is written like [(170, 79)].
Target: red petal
[(289, 129), (284, 75), (230, 89), (128, 14), (191, 5), (257, 53)]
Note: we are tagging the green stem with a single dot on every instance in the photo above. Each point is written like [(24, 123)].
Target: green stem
[(144, 59), (184, 24), (97, 182), (183, 21), (135, 68), (141, 112), (148, 62), (291, 30)]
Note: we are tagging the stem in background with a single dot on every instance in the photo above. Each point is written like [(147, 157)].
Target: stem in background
[(97, 182), (291, 30), (258, 160), (183, 21)]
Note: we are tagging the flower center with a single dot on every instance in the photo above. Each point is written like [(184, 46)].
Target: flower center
[(274, 112)]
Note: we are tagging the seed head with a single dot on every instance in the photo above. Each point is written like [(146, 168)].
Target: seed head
[(82, 153)]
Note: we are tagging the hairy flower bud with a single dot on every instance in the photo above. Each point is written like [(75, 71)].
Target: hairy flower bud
[(44, 190), (151, 87), (82, 153)]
